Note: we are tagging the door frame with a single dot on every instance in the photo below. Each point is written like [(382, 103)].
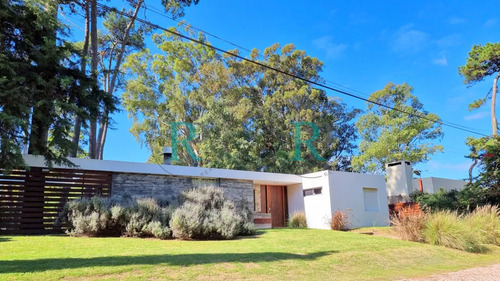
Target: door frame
[(266, 203)]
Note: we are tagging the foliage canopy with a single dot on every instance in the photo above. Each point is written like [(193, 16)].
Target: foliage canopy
[(388, 134), (243, 113)]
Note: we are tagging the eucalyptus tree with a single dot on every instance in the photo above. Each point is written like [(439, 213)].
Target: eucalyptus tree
[(396, 128), (108, 47), (245, 115)]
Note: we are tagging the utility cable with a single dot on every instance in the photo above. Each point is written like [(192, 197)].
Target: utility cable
[(456, 126)]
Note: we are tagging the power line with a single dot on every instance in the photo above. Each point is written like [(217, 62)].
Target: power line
[(160, 13), (451, 125)]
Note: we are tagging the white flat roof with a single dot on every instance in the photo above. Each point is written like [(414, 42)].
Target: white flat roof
[(160, 169)]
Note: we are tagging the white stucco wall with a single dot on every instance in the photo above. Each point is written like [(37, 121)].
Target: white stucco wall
[(317, 207), (295, 199), (433, 185), (399, 178), (346, 194)]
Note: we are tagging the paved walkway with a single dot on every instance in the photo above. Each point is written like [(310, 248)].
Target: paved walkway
[(487, 273)]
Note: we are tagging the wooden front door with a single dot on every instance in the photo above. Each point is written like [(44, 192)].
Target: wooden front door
[(276, 204)]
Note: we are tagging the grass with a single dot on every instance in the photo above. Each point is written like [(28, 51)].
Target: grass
[(291, 254)]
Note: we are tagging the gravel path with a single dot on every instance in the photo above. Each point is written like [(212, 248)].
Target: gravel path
[(487, 273)]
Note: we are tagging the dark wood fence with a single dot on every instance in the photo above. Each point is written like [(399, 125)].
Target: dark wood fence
[(30, 201)]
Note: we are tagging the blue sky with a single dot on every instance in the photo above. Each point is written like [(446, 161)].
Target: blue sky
[(364, 45)]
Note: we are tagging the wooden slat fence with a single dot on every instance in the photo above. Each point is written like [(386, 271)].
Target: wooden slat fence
[(30, 201)]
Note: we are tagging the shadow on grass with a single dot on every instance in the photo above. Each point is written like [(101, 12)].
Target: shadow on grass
[(4, 239), (19, 266)]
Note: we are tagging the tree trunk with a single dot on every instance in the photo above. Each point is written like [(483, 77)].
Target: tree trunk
[(83, 68), (494, 125), (43, 107), (39, 131), (93, 69), (103, 126), (471, 169)]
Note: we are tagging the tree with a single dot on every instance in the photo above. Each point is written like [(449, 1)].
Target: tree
[(243, 113), (280, 101), (390, 135), (107, 53), (83, 69), (489, 176), (483, 61), (41, 88)]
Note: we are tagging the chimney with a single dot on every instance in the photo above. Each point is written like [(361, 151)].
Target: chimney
[(167, 155), (399, 178)]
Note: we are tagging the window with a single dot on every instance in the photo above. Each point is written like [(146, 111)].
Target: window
[(370, 196), (312, 191)]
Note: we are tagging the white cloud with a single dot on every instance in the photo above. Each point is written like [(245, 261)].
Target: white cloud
[(476, 116), (440, 61), (333, 50), (490, 22), (409, 40)]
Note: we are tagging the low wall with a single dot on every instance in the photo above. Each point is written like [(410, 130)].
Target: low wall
[(169, 188), (404, 209)]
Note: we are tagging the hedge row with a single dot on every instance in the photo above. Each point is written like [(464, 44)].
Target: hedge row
[(204, 214)]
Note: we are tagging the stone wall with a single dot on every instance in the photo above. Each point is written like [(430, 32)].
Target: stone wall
[(169, 188), (239, 191)]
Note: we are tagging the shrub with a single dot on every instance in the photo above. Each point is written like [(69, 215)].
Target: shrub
[(439, 201), (339, 221), (206, 214), (98, 216), (463, 201), (92, 217), (449, 229), (298, 220), (409, 227), (147, 219), (247, 226), (485, 221)]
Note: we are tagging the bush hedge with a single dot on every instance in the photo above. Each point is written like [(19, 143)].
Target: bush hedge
[(205, 214), (463, 201)]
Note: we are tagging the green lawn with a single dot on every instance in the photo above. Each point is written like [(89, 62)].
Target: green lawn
[(279, 254)]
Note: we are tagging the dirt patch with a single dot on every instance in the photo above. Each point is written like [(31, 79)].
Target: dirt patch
[(384, 233)]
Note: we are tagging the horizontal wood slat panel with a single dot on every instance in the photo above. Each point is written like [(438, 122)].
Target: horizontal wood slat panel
[(31, 200), (32, 231), (27, 215)]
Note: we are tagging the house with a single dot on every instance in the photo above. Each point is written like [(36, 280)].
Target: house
[(400, 182), (273, 196)]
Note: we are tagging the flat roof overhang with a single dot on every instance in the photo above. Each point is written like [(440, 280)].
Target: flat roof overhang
[(172, 170)]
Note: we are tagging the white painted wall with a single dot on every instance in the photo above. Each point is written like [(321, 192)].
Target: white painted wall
[(346, 194), (295, 199), (433, 185), (317, 207), (399, 178)]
